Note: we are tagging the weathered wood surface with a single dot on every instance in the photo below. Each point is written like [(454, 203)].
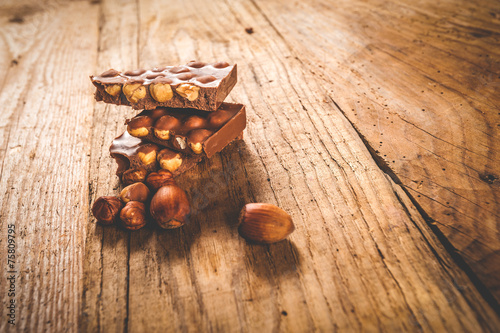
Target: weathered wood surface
[(420, 80), (362, 258)]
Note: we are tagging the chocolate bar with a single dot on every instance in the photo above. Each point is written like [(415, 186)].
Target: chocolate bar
[(190, 131), (195, 85), (137, 158)]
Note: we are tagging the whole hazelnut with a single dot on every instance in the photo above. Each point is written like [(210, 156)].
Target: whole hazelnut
[(264, 223), (170, 207), (158, 179), (135, 192), (134, 176), (107, 209), (133, 215)]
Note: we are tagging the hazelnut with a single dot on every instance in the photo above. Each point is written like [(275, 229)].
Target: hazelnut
[(158, 179), (196, 64), (139, 126), (155, 114), (188, 91), (206, 79), (110, 73), (180, 142), (134, 92), (218, 118), (196, 138), (135, 192), (170, 207), (165, 126), (134, 176), (221, 64), (133, 215), (169, 160), (107, 209), (194, 122), (161, 92), (264, 223), (147, 153), (113, 89)]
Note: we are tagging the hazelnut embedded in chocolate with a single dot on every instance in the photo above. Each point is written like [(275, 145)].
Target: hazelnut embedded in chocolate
[(196, 64), (218, 118), (166, 126), (155, 114), (188, 91), (169, 160), (113, 89), (134, 92), (147, 153), (196, 138), (139, 126), (206, 79), (194, 122), (161, 92), (221, 64), (110, 73)]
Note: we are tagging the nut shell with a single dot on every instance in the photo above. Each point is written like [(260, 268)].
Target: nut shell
[(264, 223), (170, 207), (107, 209), (133, 215), (135, 192)]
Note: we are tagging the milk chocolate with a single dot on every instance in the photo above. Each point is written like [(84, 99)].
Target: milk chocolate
[(132, 153), (190, 131), (195, 85)]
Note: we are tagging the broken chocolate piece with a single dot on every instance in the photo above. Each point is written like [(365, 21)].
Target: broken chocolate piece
[(129, 152), (191, 131), (195, 85)]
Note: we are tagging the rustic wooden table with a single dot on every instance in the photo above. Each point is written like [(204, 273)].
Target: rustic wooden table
[(373, 123)]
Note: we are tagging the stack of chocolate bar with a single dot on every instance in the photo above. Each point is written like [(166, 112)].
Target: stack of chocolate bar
[(184, 117), (183, 120)]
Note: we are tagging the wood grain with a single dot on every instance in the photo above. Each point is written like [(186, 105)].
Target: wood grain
[(44, 140), (420, 82), (362, 257)]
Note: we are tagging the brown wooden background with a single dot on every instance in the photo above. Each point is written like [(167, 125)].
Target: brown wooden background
[(375, 124)]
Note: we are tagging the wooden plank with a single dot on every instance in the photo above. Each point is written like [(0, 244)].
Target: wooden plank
[(106, 277), (420, 81), (46, 112), (362, 257)]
